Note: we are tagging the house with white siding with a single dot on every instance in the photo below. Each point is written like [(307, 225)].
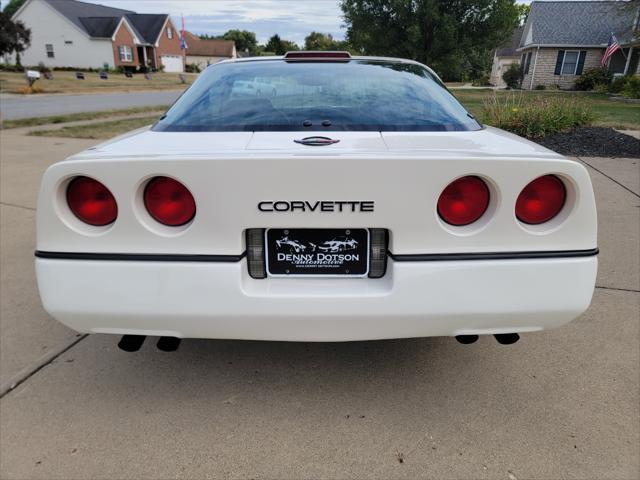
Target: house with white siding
[(70, 33)]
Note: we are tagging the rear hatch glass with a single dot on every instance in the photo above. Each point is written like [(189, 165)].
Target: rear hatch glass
[(355, 95)]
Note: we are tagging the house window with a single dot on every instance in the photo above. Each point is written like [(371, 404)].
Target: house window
[(50, 53), (526, 62), (570, 63), (125, 52), (169, 33)]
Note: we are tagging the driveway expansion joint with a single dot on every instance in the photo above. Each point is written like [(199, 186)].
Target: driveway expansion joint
[(27, 373), (610, 178), (618, 289), (6, 204)]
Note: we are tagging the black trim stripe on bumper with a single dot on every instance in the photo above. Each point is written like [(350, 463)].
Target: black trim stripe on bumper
[(439, 257), (431, 257), (140, 257)]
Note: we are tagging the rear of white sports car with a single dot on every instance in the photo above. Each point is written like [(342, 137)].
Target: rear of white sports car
[(355, 200)]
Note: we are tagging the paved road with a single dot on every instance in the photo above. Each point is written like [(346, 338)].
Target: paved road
[(558, 404), (18, 106)]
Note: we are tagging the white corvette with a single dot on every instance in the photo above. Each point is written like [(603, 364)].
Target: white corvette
[(188, 229)]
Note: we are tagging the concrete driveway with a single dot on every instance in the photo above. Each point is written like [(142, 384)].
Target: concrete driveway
[(27, 106), (558, 404)]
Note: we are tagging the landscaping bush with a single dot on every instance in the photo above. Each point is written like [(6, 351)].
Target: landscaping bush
[(592, 77), (541, 87), (7, 67), (617, 84), (482, 81), (513, 76), (536, 116), (631, 88), (28, 90), (192, 68)]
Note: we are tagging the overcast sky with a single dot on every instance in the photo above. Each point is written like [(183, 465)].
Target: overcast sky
[(291, 19)]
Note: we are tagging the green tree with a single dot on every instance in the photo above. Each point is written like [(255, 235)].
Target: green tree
[(244, 39), (523, 12), (14, 36), (324, 41), (454, 38), (279, 46), (13, 6)]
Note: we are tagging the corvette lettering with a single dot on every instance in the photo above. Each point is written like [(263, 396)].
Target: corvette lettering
[(317, 206)]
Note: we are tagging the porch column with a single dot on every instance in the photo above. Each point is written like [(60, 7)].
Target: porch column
[(144, 55), (626, 65)]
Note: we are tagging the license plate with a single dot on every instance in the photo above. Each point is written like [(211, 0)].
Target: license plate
[(321, 252)]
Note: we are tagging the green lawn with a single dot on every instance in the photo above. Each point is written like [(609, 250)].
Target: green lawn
[(609, 113), (74, 117), (66, 82), (100, 130)]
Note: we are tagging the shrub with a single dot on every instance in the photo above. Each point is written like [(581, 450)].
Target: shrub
[(482, 81), (513, 76), (192, 68), (592, 77), (42, 68), (541, 87), (617, 84), (7, 67), (536, 116), (28, 90), (631, 87)]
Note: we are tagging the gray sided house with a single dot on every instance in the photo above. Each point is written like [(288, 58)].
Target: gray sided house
[(505, 55), (562, 39)]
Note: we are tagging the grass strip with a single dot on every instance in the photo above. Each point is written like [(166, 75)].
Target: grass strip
[(74, 117), (100, 130)]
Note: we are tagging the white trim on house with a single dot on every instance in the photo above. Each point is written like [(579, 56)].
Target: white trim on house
[(131, 31), (542, 45), (125, 53), (24, 5), (164, 25), (564, 57)]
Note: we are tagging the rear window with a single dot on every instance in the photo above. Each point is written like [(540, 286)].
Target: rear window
[(355, 95)]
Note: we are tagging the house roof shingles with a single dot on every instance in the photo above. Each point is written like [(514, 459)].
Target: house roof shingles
[(100, 21), (509, 48), (578, 23), (208, 48)]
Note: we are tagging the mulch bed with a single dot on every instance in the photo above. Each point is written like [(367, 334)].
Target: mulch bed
[(593, 142)]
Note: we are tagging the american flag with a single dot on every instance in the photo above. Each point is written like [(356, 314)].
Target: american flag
[(613, 46), (183, 42)]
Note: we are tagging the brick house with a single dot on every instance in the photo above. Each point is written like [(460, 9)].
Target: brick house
[(561, 39), (69, 33), (206, 52)]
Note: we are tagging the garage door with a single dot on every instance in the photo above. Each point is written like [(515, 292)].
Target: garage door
[(172, 63)]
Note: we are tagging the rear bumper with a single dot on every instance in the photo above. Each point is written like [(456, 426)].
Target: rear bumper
[(220, 300)]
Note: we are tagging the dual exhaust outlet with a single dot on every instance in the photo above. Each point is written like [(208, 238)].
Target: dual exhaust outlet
[(132, 343), (501, 338)]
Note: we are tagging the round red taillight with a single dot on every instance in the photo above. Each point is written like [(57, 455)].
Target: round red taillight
[(463, 201), (169, 202), (91, 201), (541, 200)]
